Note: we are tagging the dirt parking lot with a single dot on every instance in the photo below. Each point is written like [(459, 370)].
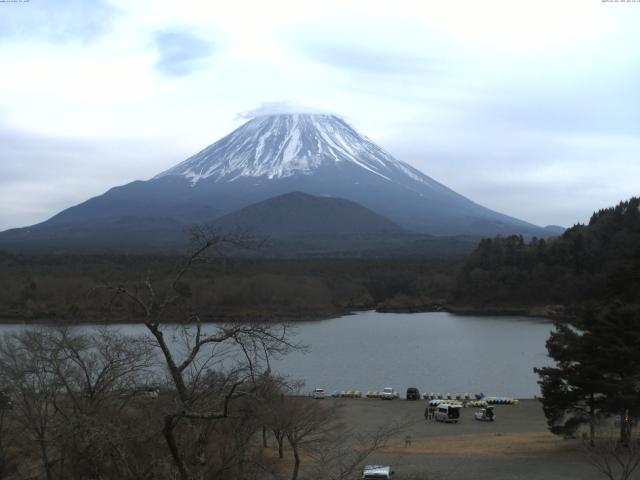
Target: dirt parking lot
[(515, 446)]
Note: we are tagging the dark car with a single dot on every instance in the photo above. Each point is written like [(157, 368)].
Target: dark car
[(413, 393)]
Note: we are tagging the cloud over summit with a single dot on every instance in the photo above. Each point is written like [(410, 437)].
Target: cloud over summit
[(279, 108)]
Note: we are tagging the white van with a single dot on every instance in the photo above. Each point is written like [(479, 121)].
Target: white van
[(388, 393), (318, 393), (376, 472), (446, 412)]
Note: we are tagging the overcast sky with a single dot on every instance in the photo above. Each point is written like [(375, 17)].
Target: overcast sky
[(531, 108)]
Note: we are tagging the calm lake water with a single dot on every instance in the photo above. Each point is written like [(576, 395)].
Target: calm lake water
[(436, 352)]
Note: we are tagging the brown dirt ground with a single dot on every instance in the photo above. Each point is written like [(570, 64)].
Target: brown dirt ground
[(516, 446), (492, 445)]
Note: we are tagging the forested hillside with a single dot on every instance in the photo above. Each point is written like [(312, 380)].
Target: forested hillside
[(593, 263), (68, 288), (588, 263)]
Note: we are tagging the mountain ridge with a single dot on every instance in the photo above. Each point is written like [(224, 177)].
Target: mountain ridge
[(297, 214), (318, 154)]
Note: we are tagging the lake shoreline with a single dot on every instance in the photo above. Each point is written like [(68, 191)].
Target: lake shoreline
[(435, 352), (223, 318), (543, 312)]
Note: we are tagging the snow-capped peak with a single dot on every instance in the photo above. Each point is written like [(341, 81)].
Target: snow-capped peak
[(277, 146)]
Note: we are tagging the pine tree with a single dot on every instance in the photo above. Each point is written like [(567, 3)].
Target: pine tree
[(597, 371), (571, 394), (616, 332)]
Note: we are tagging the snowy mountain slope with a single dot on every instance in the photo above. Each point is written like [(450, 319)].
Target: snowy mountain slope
[(322, 154), (280, 146), (318, 154)]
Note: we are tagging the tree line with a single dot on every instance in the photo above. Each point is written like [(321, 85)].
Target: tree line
[(68, 289), (596, 262)]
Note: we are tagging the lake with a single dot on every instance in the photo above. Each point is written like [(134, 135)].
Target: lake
[(436, 352)]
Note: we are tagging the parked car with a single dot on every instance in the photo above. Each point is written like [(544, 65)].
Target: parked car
[(413, 393), (485, 414), (318, 393), (388, 393), (376, 472), (447, 413)]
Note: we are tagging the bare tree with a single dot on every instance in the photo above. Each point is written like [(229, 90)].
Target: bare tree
[(33, 389), (345, 451), (74, 394), (7, 467), (309, 424), (315, 430), (64, 386), (95, 366), (269, 407), (274, 415), (612, 458), (98, 369), (209, 366)]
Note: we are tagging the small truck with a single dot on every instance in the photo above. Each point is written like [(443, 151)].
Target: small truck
[(485, 414), (389, 393)]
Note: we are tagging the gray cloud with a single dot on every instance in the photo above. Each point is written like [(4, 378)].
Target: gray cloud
[(367, 59), (180, 52), (545, 177), (42, 175), (369, 45), (56, 22), (591, 106)]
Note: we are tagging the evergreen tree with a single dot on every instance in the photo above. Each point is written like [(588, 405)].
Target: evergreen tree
[(597, 371), (616, 333), (571, 390)]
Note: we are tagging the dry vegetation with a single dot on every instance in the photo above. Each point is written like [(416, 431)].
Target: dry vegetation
[(186, 400), (53, 288)]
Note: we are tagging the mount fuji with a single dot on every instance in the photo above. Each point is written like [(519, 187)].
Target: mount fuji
[(318, 154)]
